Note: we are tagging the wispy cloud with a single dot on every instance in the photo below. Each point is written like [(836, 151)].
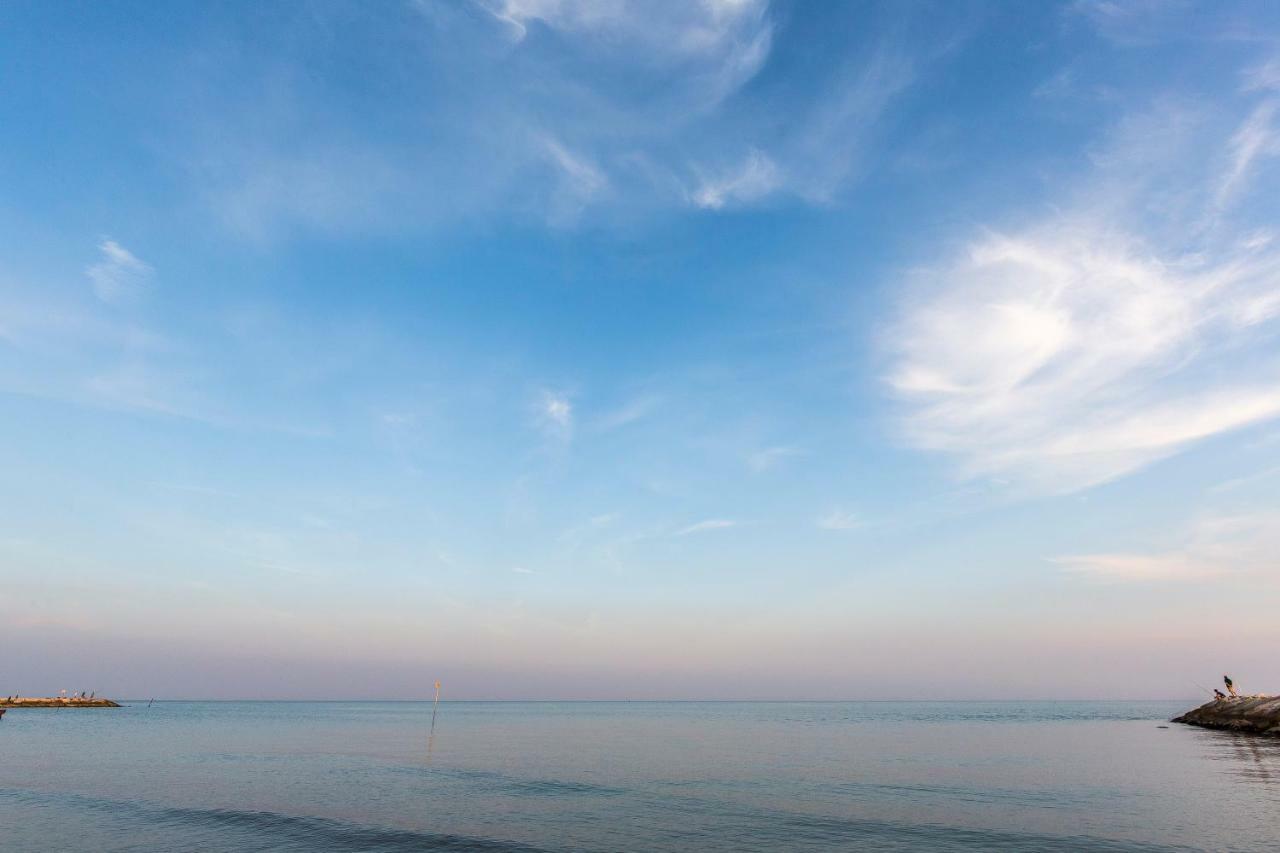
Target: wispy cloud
[(823, 149), (1246, 480), (119, 274), (629, 412), (580, 181), (321, 184), (1264, 76), (518, 14), (1132, 22), (1136, 567), (754, 179), (732, 33), (828, 148), (199, 490), (139, 387), (1092, 343), (770, 457), (91, 349), (839, 519), (1256, 138), (521, 570), (621, 107), (1216, 546), (713, 46), (555, 414), (41, 325), (706, 526), (558, 410)]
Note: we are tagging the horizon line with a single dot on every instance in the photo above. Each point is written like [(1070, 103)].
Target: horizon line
[(430, 701)]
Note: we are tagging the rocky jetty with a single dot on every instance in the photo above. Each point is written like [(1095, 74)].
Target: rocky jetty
[(1249, 714), (54, 702)]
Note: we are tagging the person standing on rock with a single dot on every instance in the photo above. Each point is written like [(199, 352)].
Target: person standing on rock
[(1231, 688)]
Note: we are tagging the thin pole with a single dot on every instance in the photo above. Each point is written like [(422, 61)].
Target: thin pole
[(435, 707)]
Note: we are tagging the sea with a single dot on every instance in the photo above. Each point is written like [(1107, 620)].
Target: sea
[(632, 776)]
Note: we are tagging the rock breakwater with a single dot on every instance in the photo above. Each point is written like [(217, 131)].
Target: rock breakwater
[(1249, 714)]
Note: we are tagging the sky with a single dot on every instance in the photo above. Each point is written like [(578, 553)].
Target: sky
[(709, 349)]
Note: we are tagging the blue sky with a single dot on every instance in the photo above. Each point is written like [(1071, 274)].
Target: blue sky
[(658, 350)]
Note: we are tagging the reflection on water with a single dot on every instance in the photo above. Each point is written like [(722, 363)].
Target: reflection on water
[(634, 776), (1250, 758)]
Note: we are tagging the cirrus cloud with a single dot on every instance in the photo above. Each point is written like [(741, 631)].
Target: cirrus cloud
[(1216, 546), (1104, 337), (706, 526), (119, 274)]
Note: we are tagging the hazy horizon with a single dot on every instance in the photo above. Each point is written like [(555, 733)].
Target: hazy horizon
[(595, 350)]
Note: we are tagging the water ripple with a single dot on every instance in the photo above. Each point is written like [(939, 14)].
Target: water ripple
[(246, 830)]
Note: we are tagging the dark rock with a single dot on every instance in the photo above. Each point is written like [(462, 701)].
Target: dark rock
[(1249, 714)]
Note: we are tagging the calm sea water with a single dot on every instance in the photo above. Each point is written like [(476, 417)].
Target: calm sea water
[(632, 776)]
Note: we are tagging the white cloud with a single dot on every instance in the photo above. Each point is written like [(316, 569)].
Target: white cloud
[(838, 519), (704, 526), (1216, 546), (559, 411), (1099, 340), (561, 14), (728, 29), (754, 179), (521, 570), (119, 275), (555, 414)]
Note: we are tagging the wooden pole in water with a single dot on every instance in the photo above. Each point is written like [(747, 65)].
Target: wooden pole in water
[(431, 736), (435, 706)]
